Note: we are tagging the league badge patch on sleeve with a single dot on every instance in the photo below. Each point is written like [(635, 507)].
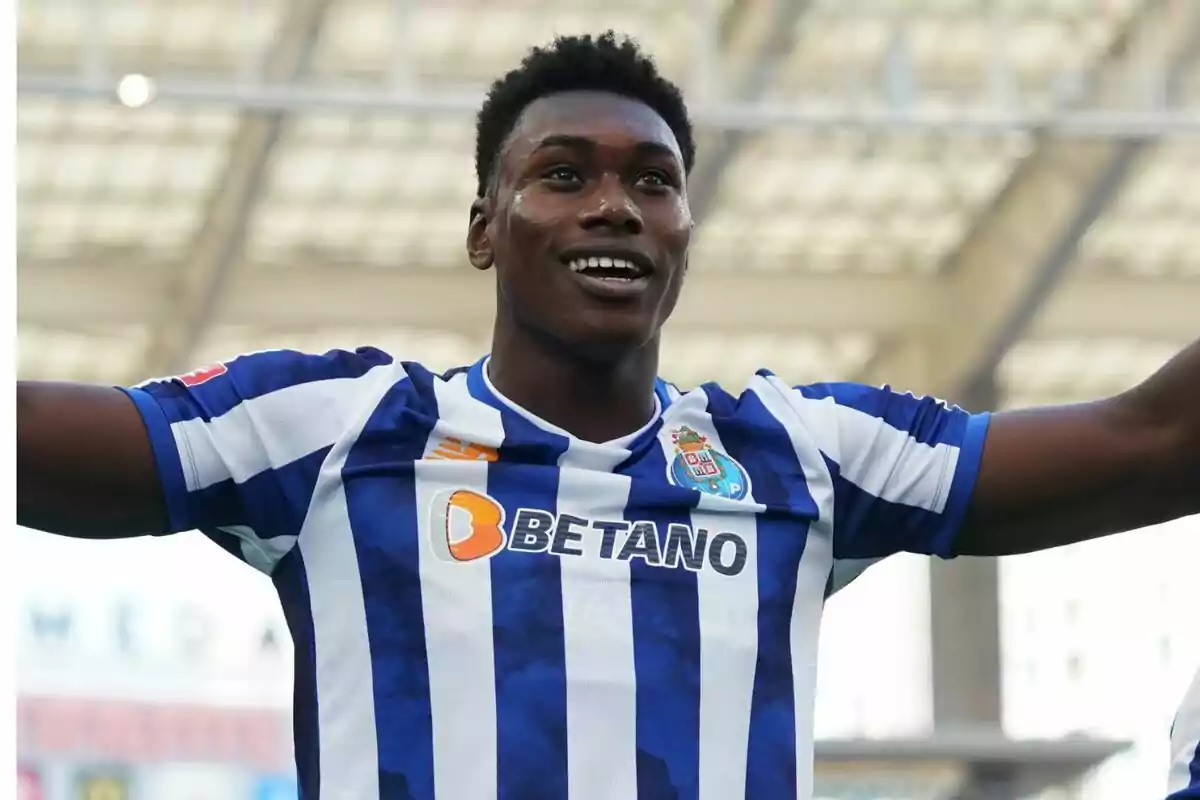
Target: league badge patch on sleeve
[(698, 465), (202, 375)]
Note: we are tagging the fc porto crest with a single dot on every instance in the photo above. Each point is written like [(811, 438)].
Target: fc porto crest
[(698, 465)]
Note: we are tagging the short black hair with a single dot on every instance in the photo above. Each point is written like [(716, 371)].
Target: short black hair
[(603, 63)]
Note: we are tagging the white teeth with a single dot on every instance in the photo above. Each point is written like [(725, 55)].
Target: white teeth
[(604, 262)]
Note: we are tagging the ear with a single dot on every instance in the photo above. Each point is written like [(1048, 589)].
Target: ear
[(479, 243)]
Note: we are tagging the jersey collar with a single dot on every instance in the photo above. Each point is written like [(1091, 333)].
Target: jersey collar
[(481, 388)]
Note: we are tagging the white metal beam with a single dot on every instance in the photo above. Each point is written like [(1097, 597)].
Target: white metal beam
[(197, 285), (1122, 122), (74, 296), (1020, 250), (763, 41)]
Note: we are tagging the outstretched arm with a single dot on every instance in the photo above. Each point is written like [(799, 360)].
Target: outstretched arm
[(84, 463), (233, 450), (1058, 475)]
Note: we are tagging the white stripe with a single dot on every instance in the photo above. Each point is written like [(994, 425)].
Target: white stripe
[(805, 636), (262, 554), (598, 635), (1185, 739), (349, 750), (456, 601), (815, 568), (882, 460), (273, 430), (728, 609)]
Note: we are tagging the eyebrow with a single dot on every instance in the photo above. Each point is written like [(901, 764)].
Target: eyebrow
[(584, 143)]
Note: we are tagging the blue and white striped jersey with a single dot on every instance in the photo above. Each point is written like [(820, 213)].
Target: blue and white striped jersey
[(484, 606), (1184, 780)]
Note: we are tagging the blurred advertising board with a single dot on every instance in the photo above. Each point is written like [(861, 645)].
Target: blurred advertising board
[(276, 787), (197, 782), (139, 733), (103, 783), (29, 783)]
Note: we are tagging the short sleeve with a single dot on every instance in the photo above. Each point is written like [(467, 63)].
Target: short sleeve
[(238, 445), (1183, 782), (903, 467)]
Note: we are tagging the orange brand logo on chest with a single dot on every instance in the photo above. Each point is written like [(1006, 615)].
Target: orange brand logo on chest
[(452, 449)]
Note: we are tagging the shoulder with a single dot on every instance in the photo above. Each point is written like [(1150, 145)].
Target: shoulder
[(757, 406), (291, 384), (840, 414), (765, 390), (266, 371), (717, 395)]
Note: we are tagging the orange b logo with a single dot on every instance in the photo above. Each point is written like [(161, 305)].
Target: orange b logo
[(466, 525)]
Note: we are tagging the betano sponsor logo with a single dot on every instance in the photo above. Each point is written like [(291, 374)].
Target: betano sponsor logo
[(466, 526)]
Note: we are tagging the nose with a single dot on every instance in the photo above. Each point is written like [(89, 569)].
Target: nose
[(610, 206)]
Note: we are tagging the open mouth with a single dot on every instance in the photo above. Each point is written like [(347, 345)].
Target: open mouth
[(608, 269)]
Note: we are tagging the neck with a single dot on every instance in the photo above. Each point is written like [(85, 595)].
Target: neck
[(592, 400)]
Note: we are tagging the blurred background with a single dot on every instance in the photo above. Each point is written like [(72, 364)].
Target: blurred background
[(991, 201)]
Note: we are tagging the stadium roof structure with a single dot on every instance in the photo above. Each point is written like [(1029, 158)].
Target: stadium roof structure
[(904, 191)]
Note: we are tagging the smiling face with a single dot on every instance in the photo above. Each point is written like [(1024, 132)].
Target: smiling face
[(587, 223)]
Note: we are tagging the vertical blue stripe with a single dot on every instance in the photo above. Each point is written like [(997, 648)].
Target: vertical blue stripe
[(291, 584), (527, 621), (666, 638), (380, 483), (272, 503), (1194, 770), (756, 440), (870, 527)]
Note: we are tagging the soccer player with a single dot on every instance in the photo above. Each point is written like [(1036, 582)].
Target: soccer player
[(552, 574), (1184, 780)]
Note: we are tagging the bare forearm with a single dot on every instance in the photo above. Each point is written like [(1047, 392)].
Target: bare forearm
[(1170, 400)]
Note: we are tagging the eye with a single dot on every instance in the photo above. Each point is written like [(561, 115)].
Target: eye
[(561, 175), (656, 179)]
